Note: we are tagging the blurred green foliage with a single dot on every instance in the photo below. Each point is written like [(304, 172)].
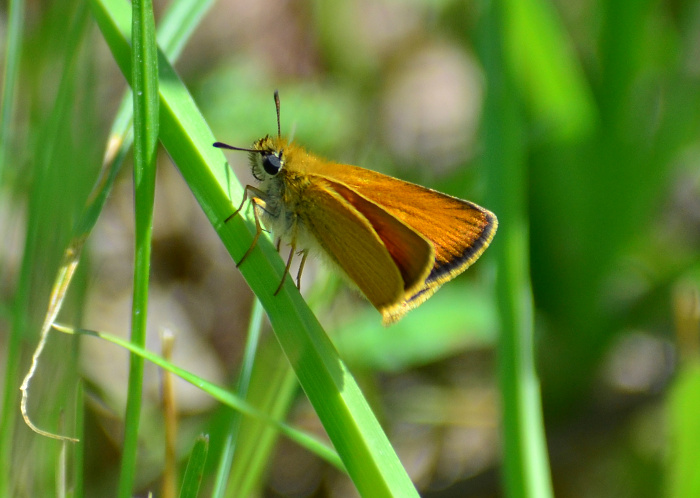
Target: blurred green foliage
[(609, 96)]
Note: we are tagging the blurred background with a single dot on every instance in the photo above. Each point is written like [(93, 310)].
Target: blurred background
[(608, 100)]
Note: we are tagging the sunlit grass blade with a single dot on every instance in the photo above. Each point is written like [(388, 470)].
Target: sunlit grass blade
[(144, 82), (542, 56), (526, 466), (50, 206), (355, 432), (10, 76), (683, 405), (249, 357), (120, 140), (683, 400), (273, 389), (227, 398), (58, 294), (195, 468), (178, 23), (78, 463)]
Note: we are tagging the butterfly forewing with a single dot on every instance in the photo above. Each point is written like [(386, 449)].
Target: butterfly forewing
[(333, 222), (459, 230)]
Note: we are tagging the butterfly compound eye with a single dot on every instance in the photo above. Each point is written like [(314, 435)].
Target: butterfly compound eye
[(271, 163)]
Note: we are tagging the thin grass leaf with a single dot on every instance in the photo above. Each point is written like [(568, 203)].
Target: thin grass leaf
[(526, 468), (683, 404), (542, 57), (683, 400), (273, 390), (120, 140), (78, 462), (195, 468), (50, 206), (178, 24), (144, 77), (249, 357), (355, 432), (170, 425), (13, 52), (227, 398)]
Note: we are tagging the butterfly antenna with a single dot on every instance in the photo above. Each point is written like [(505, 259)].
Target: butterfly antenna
[(277, 106), (222, 145)]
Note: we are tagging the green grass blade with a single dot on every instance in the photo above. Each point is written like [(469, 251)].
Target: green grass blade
[(13, 52), (526, 470), (273, 389), (144, 77), (178, 24), (542, 57), (51, 204), (195, 468), (249, 356), (355, 432), (79, 448), (229, 399), (121, 137), (683, 404)]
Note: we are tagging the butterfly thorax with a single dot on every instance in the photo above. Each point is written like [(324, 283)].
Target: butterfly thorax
[(280, 169)]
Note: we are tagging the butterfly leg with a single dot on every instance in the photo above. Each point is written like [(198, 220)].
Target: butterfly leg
[(286, 269), (293, 248), (257, 202), (304, 254), (248, 188)]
